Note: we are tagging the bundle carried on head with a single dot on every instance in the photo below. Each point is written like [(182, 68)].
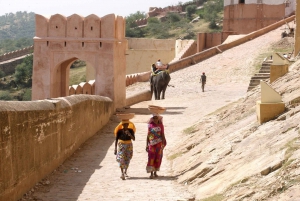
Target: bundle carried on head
[(124, 118), (156, 110)]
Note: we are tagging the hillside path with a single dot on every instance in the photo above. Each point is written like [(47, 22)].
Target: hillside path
[(92, 172)]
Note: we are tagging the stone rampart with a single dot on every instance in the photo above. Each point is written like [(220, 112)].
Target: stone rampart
[(89, 87), (139, 97), (16, 54), (37, 136), (141, 22), (9, 67)]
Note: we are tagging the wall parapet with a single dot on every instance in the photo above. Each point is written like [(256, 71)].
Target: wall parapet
[(16, 54), (46, 133)]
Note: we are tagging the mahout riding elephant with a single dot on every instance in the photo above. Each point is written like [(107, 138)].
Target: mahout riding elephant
[(159, 84)]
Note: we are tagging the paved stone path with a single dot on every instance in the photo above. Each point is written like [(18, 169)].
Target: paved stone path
[(92, 173)]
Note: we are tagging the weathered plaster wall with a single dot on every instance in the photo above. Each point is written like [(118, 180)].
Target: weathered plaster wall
[(141, 53), (37, 136), (267, 2), (209, 40), (246, 18), (277, 71)]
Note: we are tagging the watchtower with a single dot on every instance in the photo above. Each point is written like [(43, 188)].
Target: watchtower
[(60, 40)]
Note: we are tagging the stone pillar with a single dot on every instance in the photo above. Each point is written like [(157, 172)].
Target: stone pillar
[(279, 67), (270, 105), (201, 41)]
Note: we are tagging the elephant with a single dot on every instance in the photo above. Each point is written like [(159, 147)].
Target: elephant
[(159, 83)]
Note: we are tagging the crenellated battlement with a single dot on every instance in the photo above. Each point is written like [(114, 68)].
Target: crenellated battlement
[(76, 26), (61, 40), (16, 54)]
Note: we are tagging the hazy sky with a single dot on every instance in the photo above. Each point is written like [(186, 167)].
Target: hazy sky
[(83, 7)]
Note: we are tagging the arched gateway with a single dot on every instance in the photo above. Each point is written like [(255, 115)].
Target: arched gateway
[(61, 40)]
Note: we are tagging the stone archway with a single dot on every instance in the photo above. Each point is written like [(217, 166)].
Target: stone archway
[(61, 40)]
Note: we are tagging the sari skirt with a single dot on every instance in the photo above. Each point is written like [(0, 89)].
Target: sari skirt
[(124, 155), (155, 155)]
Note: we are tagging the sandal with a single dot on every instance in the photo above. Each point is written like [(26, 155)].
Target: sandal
[(155, 175), (151, 177), (122, 177), (126, 174)]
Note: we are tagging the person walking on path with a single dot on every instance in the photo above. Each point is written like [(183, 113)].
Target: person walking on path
[(155, 144), (124, 133), (203, 81)]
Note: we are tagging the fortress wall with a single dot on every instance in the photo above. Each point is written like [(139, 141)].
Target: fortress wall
[(15, 54), (61, 40), (148, 44), (9, 67), (138, 61), (255, 34), (142, 52), (188, 61), (37, 136), (246, 18), (268, 2), (144, 95)]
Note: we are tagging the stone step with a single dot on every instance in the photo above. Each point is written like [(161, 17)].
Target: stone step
[(251, 87), (263, 74), (258, 76), (264, 71), (254, 82), (265, 67)]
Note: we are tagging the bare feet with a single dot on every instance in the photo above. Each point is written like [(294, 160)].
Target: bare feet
[(151, 176), (155, 175), (122, 177)]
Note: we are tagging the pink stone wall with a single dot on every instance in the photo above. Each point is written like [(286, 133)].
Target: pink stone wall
[(16, 54), (37, 136), (61, 40), (246, 18)]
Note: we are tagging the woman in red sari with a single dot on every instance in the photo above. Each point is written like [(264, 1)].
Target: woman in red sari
[(155, 144)]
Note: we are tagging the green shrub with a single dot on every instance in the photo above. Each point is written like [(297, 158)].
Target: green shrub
[(27, 95), (211, 9), (24, 70), (213, 25), (78, 63), (190, 10), (153, 20), (173, 17), (5, 95), (2, 74)]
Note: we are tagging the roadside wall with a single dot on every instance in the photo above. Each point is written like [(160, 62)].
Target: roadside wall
[(17, 53), (37, 136), (10, 67), (142, 52), (198, 57), (246, 18)]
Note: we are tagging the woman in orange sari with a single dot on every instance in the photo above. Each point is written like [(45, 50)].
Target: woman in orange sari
[(124, 133)]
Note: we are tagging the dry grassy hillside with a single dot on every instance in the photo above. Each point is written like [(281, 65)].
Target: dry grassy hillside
[(228, 156)]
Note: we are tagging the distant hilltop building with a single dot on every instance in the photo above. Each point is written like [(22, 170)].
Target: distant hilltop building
[(246, 16)]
